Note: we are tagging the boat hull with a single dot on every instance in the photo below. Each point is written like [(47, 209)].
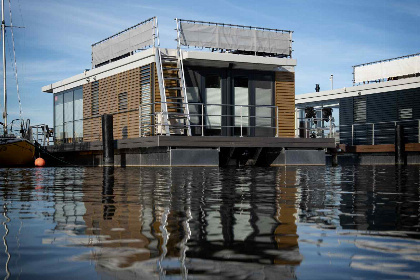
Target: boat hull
[(16, 152)]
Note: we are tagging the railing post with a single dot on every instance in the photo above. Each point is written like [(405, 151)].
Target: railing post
[(202, 119), (241, 121), (352, 134), (373, 134)]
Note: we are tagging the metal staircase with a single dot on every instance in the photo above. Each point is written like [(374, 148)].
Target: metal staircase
[(175, 117)]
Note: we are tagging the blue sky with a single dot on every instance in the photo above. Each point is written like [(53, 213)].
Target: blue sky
[(329, 36)]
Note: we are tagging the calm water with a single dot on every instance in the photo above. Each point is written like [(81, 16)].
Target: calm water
[(210, 223)]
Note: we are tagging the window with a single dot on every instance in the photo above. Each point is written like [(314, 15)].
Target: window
[(241, 97), (406, 113), (122, 102), (95, 98), (263, 96), (214, 97), (58, 116), (68, 116), (359, 109), (78, 115)]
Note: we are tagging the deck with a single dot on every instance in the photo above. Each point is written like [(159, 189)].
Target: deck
[(200, 142)]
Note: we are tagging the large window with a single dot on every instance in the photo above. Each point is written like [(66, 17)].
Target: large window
[(68, 116), (241, 102), (214, 98), (58, 116), (232, 98), (264, 115), (78, 115)]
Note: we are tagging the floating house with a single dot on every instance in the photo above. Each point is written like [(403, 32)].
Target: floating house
[(384, 94), (223, 86)]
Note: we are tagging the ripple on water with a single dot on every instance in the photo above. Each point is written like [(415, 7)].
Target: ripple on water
[(239, 223)]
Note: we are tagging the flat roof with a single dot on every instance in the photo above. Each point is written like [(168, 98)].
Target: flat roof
[(199, 58), (366, 89)]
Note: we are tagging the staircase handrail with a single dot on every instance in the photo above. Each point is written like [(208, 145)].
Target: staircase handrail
[(182, 76), (161, 80)]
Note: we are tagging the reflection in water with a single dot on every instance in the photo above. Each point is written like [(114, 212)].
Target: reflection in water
[(6, 247), (275, 223)]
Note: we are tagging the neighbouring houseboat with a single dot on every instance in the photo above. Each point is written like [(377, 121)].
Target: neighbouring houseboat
[(385, 94), (225, 94)]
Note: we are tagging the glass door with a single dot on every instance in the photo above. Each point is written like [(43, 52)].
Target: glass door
[(241, 108), (213, 90)]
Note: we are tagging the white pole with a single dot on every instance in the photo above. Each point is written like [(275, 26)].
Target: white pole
[(3, 32), (332, 81)]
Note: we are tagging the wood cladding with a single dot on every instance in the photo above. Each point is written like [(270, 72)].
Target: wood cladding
[(285, 100), (120, 96)]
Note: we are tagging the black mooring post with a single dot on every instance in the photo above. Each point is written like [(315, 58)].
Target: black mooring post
[(108, 140), (400, 158)]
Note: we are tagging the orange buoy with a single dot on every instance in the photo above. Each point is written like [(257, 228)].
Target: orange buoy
[(39, 162)]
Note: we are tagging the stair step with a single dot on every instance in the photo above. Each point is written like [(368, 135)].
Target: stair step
[(176, 114), (175, 97), (177, 117), (174, 88), (165, 59), (171, 78), (171, 68)]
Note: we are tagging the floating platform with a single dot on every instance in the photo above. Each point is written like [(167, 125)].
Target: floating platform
[(198, 151), (383, 154)]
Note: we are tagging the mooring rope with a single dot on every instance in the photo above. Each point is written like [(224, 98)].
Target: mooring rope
[(45, 151)]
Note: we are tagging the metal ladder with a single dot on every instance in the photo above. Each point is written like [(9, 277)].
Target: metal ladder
[(173, 93)]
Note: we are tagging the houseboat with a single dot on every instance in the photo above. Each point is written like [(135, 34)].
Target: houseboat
[(225, 94), (363, 117)]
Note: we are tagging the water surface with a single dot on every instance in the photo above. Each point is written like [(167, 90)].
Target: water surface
[(210, 223)]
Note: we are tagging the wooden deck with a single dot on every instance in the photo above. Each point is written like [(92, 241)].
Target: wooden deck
[(201, 142), (386, 148)]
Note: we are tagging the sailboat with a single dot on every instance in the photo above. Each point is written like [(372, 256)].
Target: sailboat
[(16, 149)]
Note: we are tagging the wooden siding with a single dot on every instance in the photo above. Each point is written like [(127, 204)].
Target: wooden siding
[(285, 100), (126, 123)]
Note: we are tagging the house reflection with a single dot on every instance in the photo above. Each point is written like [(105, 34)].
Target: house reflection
[(174, 214), (115, 217)]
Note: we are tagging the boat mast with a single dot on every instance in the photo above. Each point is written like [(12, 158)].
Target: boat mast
[(3, 32)]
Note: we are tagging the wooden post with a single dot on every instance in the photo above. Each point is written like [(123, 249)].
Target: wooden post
[(108, 140)]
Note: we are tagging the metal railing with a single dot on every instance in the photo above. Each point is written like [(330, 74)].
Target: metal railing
[(358, 133), (202, 117), (379, 133), (42, 134), (316, 128)]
